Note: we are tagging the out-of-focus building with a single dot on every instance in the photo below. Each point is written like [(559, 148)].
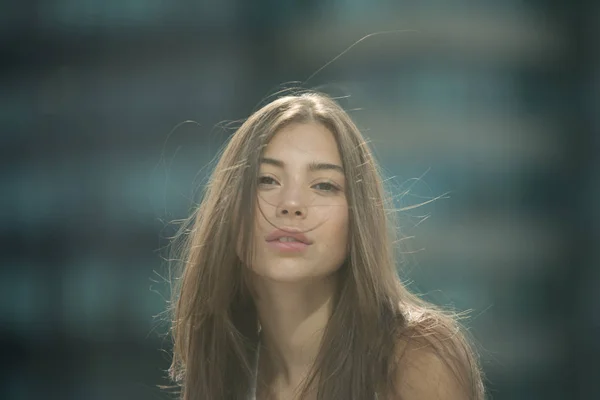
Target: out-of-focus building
[(491, 106)]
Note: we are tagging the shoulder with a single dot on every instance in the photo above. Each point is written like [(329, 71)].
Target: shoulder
[(433, 360), (425, 374)]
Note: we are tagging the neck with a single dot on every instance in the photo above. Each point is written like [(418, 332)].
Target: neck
[(293, 317)]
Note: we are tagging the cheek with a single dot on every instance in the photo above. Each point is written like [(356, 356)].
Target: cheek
[(336, 231), (261, 227), (343, 234)]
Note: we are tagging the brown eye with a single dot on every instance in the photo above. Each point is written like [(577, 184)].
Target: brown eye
[(326, 187), (266, 180)]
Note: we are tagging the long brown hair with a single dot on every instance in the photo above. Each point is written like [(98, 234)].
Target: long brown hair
[(214, 321)]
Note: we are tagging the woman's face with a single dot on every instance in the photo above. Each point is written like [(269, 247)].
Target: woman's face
[(301, 227)]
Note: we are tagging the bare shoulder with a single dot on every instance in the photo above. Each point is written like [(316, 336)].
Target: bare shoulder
[(424, 374), (435, 361)]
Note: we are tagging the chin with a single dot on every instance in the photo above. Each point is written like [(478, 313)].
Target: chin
[(290, 271), (285, 275)]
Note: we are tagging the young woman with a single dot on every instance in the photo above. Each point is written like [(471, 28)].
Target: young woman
[(288, 287)]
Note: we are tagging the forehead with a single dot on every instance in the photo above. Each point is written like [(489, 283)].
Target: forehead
[(304, 141)]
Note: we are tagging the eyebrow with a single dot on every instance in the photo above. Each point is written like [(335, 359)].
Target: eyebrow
[(312, 167)]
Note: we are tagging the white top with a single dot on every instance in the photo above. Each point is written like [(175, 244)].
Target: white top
[(253, 383)]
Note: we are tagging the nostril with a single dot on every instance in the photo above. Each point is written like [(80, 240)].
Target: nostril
[(297, 213)]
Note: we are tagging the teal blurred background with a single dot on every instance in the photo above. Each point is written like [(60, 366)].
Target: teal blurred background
[(494, 103)]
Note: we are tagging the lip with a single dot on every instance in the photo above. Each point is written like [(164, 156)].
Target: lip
[(288, 247), (288, 232)]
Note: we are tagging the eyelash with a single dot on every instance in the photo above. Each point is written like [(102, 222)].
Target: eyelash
[(332, 187), (262, 179), (267, 180)]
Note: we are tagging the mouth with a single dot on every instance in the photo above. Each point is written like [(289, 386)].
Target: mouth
[(287, 247), (288, 235), (288, 240)]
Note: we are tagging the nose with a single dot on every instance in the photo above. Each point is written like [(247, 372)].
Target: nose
[(292, 207), (298, 212)]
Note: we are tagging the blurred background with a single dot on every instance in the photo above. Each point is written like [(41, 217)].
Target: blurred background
[(491, 104)]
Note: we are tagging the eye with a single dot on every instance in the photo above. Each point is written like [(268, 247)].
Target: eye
[(326, 187), (266, 181)]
